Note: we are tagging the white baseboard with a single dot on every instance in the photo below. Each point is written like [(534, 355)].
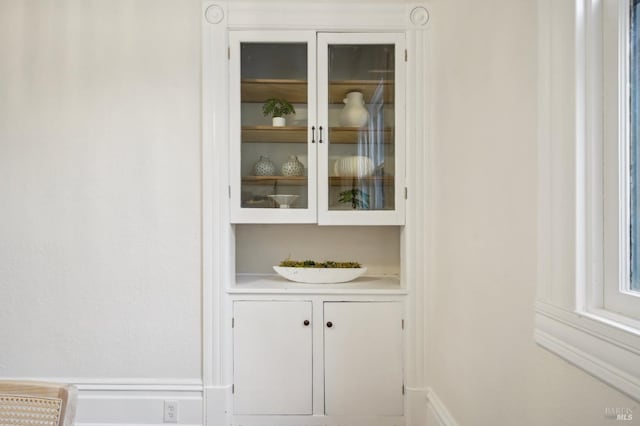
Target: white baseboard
[(143, 404), (416, 406), (112, 404), (288, 420), (218, 405), (437, 413)]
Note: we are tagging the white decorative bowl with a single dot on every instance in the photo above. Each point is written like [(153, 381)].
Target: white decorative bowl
[(284, 201), (319, 275)]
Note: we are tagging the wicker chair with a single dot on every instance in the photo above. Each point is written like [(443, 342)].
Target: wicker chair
[(36, 404)]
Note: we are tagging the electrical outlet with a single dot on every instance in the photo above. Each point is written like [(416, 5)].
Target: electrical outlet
[(170, 411)]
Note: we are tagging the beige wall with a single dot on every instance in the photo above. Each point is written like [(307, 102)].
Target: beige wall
[(100, 189), (481, 358), (99, 210)]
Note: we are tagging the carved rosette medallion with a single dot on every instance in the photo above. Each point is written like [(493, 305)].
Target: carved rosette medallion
[(214, 14), (419, 16)]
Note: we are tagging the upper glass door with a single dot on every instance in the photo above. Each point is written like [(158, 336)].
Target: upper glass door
[(273, 99), (361, 163)]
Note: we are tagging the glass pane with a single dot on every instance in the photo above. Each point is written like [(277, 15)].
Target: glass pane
[(634, 132), (361, 127), (274, 125)]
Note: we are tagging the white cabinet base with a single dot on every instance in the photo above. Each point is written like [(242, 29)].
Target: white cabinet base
[(272, 352), (363, 358), (316, 421)]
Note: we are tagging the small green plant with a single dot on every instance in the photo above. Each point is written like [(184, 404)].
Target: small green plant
[(358, 199), (277, 107), (313, 264)]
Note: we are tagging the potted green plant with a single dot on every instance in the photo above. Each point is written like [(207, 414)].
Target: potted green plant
[(277, 108), (357, 198)]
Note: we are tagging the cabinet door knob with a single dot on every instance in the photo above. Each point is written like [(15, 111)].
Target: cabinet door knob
[(306, 322), (313, 134), (320, 129), (329, 324)]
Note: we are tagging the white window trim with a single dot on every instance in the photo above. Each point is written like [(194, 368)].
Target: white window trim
[(611, 84), (570, 317)]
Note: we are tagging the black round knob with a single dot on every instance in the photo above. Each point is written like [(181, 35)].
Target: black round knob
[(329, 324), (306, 322)]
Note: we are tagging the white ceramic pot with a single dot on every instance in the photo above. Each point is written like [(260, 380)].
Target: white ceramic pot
[(293, 167), (264, 167), (356, 165), (354, 113), (278, 122)]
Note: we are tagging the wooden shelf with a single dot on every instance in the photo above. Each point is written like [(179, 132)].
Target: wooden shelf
[(302, 180), (270, 134), (275, 180), (298, 134), (259, 90), (369, 180), (295, 91), (350, 135)]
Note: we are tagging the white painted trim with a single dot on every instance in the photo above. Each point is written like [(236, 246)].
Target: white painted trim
[(125, 384), (218, 405), (131, 406), (617, 296), (569, 319), (439, 410), (416, 406), (416, 236), (324, 16), (371, 217), (612, 355), (215, 209), (218, 250), (241, 214), (206, 189), (317, 421)]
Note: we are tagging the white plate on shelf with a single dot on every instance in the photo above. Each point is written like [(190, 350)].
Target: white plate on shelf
[(319, 275)]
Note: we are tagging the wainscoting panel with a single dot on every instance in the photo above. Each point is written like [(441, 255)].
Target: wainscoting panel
[(137, 405)]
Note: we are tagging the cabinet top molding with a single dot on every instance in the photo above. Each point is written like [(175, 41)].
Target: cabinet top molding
[(321, 15)]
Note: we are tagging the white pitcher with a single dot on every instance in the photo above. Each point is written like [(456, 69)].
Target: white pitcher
[(354, 114)]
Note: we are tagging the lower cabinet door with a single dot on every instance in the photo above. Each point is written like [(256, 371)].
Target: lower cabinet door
[(272, 371), (363, 358)]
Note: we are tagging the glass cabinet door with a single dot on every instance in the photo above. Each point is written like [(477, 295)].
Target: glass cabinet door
[(273, 157), (361, 151)]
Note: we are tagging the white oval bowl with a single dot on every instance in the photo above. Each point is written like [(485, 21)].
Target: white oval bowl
[(319, 275)]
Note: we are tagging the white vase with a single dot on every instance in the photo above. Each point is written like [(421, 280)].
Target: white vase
[(354, 113), (278, 122)]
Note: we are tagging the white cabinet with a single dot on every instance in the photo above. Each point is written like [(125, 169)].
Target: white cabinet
[(357, 356), (363, 359), (313, 55), (340, 158), (272, 357)]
